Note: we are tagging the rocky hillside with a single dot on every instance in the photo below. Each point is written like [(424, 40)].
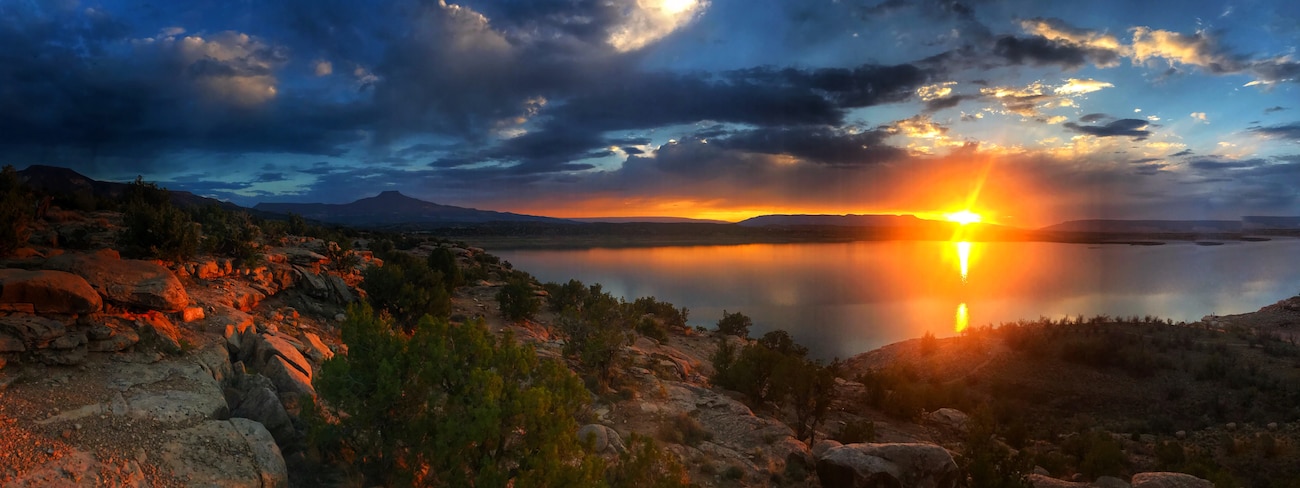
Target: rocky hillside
[(200, 372)]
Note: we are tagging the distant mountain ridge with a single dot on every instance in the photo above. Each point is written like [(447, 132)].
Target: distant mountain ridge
[(850, 220), (394, 208), (1147, 226), (65, 181)]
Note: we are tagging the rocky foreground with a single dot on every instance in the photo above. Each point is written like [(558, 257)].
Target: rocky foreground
[(119, 372)]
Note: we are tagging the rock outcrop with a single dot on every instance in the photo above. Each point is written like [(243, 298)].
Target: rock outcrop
[(888, 465), (1168, 480), (128, 282), (47, 292)]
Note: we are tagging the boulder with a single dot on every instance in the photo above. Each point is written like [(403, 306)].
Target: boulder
[(34, 332), (950, 418), (266, 346), (287, 379), (1044, 481), (604, 440), (1110, 482), (192, 314), (10, 343), (48, 291), (200, 455), (316, 350), (820, 447), (118, 341), (133, 283), (155, 330), (1169, 480), (888, 465), (261, 404)]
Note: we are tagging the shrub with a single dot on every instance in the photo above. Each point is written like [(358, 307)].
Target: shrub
[(230, 234), (856, 431), (929, 344), (449, 406), (736, 324), (597, 329), (517, 300), (670, 316), (15, 211), (651, 328), (406, 288), (645, 465), (153, 227), (443, 261), (684, 429), (570, 295)]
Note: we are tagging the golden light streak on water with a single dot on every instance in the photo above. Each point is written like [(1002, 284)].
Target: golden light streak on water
[(963, 257), (962, 319)]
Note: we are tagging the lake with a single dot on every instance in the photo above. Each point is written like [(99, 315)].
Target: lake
[(841, 299)]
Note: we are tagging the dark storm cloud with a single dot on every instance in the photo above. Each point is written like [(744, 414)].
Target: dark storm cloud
[(947, 102), (823, 145), (1184, 152), (1149, 169), (1041, 51), (1135, 128), (1276, 108), (94, 92), (1288, 131), (1208, 165), (767, 98)]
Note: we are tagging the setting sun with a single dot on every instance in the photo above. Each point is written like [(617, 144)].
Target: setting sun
[(963, 217)]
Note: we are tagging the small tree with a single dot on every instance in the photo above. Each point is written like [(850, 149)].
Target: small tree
[(598, 329), (15, 211), (736, 324), (154, 227), (517, 300), (443, 261), (406, 288), (450, 406)]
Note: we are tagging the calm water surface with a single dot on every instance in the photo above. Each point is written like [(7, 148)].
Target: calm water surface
[(845, 298)]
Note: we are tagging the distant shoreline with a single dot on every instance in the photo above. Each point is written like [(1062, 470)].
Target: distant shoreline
[(640, 235)]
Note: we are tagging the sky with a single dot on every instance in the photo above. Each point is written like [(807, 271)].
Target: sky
[(1029, 112)]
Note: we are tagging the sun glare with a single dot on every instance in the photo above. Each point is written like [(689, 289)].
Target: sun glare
[(963, 217), (962, 319), (963, 258)]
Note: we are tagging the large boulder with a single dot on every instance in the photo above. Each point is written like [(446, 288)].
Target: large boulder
[(604, 440), (1169, 480), (262, 405), (141, 284), (949, 417), (48, 291), (155, 330), (34, 332), (201, 455), (1044, 481), (888, 465), (288, 379)]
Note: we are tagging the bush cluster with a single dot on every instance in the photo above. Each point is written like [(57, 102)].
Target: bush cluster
[(154, 227), (775, 368), (406, 288), (15, 211), (449, 406)]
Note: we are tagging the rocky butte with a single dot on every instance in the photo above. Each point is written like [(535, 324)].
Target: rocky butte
[(203, 371)]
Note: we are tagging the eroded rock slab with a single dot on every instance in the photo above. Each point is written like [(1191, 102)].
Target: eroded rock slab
[(48, 291), (141, 284)]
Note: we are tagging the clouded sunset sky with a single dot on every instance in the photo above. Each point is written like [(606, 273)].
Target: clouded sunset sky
[(713, 109)]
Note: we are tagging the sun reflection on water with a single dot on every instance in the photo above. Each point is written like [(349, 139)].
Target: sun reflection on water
[(962, 319), (963, 258)]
